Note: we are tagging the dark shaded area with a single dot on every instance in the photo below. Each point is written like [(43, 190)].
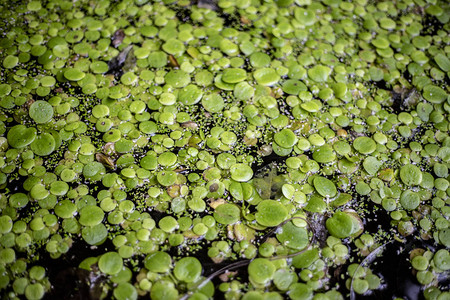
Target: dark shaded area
[(230, 20), (398, 280), (394, 269), (70, 282), (268, 160), (118, 37), (431, 25), (182, 13), (117, 65), (80, 284), (404, 100), (375, 218), (157, 215)]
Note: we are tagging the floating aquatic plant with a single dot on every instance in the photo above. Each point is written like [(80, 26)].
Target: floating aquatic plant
[(243, 149)]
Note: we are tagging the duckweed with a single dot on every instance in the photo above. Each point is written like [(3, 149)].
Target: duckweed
[(159, 262), (410, 175), (187, 145), (324, 186), (292, 236), (125, 290), (285, 138), (187, 269), (241, 172), (20, 136), (319, 73), (364, 145), (74, 74), (340, 225), (41, 112), (266, 76), (261, 270), (110, 263), (227, 214), (270, 213), (43, 145)]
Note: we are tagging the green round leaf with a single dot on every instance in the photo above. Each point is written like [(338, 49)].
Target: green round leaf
[(177, 78), (241, 172), (292, 236), (6, 224), (18, 200), (10, 61), (213, 103), (99, 67), (190, 95), (34, 291), (44, 144), (125, 291), (266, 76), (234, 75), (410, 175), (162, 290), (21, 136), (173, 46), (300, 291), (419, 263), (94, 235), (324, 186), (41, 111), (324, 154), (340, 225), (372, 165), (91, 215), (270, 213), (285, 138), (158, 262), (364, 145), (167, 159), (319, 73), (187, 269), (74, 74), (409, 200), (167, 178), (261, 270), (442, 259), (434, 94), (110, 263), (227, 213)]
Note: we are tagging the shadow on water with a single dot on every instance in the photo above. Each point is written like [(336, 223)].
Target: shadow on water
[(394, 268), (69, 281)]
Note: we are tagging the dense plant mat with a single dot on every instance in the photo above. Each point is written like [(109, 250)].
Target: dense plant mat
[(279, 149)]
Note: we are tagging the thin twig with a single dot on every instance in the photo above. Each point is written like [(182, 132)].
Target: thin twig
[(368, 259)]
